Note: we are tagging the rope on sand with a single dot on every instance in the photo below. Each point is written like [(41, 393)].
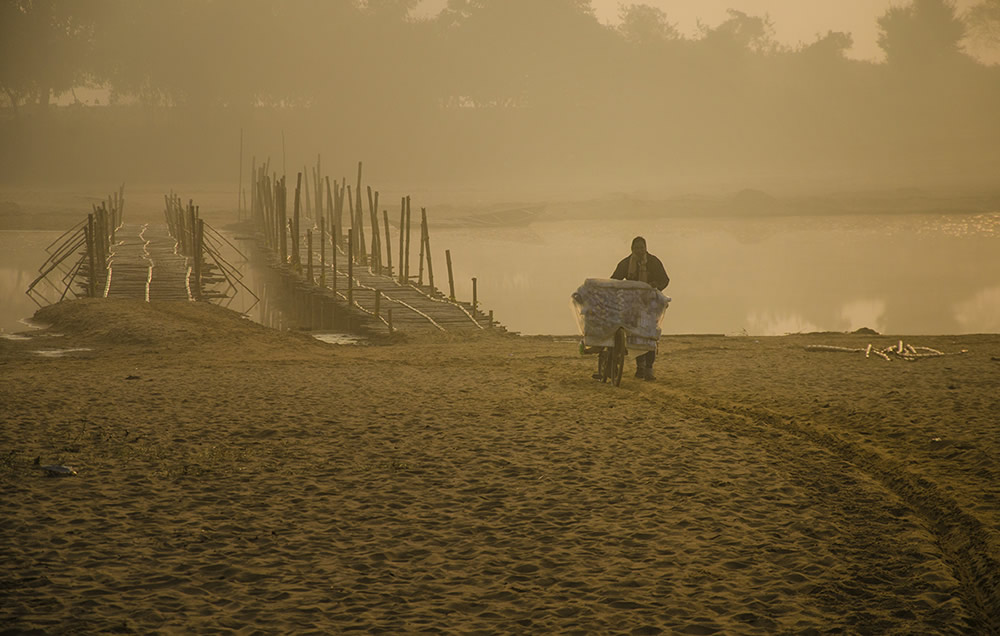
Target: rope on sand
[(899, 350)]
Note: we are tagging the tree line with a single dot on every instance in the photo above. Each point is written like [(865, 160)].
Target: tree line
[(528, 78)]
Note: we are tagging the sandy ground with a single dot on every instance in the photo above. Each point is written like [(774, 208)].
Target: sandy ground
[(237, 479)]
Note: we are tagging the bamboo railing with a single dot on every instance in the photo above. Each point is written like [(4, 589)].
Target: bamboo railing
[(77, 264), (362, 239), (202, 245)]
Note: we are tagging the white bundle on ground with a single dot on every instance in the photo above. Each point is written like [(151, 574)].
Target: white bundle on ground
[(603, 305)]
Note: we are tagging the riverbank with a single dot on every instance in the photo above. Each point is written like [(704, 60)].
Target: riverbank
[(62, 207), (231, 477)]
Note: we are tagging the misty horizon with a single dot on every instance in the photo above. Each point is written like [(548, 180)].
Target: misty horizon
[(519, 95)]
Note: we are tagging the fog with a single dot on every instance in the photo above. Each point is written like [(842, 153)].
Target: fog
[(510, 97)]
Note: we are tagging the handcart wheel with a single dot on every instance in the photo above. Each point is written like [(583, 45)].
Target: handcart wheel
[(617, 358)]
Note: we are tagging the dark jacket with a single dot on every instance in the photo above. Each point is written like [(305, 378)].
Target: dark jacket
[(654, 270)]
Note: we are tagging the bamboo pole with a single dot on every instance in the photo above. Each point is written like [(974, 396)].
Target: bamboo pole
[(407, 239), (309, 256), (198, 252), (296, 257), (451, 279), (371, 208), (354, 218), (402, 226), (376, 236), (357, 210), (389, 312), (318, 185), (388, 245), (190, 228), (378, 303), (322, 252), (376, 239), (279, 221), (340, 212), (427, 250), (475, 301), (331, 208), (105, 234), (307, 203), (420, 263), (350, 268), (333, 262), (89, 233)]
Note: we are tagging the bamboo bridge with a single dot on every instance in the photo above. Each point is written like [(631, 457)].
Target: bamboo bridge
[(103, 257), (328, 280), (338, 279)]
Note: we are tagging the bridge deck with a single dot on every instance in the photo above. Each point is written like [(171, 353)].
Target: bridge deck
[(414, 308), (145, 265)]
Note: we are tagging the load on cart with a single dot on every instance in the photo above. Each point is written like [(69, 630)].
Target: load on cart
[(615, 317)]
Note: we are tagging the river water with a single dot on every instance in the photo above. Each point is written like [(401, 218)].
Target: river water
[(913, 274), (906, 274)]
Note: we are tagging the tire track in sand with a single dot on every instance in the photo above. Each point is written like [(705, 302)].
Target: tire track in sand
[(966, 542)]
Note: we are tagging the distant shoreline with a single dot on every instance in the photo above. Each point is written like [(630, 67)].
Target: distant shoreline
[(61, 209)]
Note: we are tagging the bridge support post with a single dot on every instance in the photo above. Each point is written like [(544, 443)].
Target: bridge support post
[(402, 241), (406, 276), (322, 253), (388, 245), (427, 248), (198, 253), (350, 268), (309, 257), (451, 279), (91, 270)]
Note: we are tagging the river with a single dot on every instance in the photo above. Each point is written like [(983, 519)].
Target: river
[(898, 274)]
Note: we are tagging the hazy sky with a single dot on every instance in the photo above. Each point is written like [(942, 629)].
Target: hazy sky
[(794, 21)]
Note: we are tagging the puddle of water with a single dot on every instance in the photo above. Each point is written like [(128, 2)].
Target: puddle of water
[(58, 353), (339, 338)]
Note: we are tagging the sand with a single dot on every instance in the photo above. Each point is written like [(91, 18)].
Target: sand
[(234, 479)]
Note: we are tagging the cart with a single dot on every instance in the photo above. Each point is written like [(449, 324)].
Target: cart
[(615, 317)]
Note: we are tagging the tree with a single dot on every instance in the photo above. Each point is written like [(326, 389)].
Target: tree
[(983, 22), (833, 45), (924, 34), (740, 32), (643, 25), (43, 49)]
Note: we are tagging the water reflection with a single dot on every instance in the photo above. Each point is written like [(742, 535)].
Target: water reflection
[(981, 313), (21, 254), (906, 274)]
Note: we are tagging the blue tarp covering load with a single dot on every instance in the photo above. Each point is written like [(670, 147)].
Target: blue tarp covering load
[(602, 305)]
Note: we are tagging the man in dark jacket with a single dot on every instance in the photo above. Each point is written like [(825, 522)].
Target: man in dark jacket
[(641, 265)]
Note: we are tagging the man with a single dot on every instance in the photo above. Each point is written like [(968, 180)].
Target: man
[(641, 265)]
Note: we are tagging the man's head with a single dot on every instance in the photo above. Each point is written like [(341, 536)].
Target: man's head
[(639, 246)]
